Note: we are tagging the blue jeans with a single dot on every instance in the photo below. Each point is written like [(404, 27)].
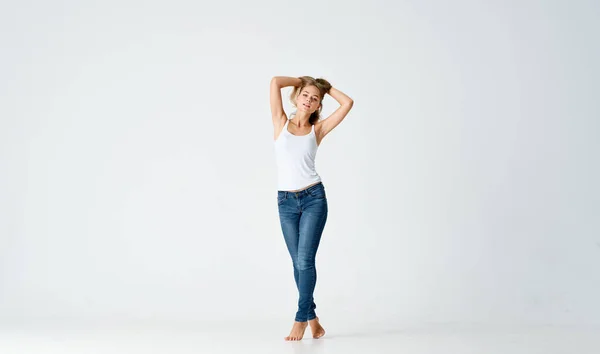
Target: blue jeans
[(302, 216)]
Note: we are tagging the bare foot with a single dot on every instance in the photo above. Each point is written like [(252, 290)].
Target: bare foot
[(297, 331), (317, 330)]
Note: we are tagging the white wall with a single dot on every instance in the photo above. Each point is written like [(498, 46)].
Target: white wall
[(138, 181)]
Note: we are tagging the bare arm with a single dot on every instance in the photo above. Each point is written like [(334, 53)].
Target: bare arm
[(277, 83), (336, 117)]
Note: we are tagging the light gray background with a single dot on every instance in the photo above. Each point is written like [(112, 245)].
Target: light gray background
[(138, 181)]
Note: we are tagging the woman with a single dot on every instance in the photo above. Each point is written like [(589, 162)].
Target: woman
[(301, 195)]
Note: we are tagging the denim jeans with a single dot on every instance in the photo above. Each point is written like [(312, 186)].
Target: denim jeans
[(302, 216)]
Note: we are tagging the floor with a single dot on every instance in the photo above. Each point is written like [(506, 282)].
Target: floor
[(266, 338)]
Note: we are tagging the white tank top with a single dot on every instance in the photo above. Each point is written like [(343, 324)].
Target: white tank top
[(296, 159)]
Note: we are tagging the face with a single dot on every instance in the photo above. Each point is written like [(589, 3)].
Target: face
[(309, 99)]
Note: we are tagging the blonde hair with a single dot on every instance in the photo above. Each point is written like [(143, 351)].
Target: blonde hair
[(321, 84)]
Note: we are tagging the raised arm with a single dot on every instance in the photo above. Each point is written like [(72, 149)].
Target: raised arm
[(338, 115), (277, 83)]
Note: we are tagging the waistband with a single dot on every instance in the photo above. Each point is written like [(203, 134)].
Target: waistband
[(304, 191)]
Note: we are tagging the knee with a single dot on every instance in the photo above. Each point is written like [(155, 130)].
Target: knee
[(305, 262)]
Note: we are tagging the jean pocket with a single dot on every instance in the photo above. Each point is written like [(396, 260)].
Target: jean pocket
[(280, 199), (318, 193)]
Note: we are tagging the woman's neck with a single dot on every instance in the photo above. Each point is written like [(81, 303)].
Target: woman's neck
[(302, 119)]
